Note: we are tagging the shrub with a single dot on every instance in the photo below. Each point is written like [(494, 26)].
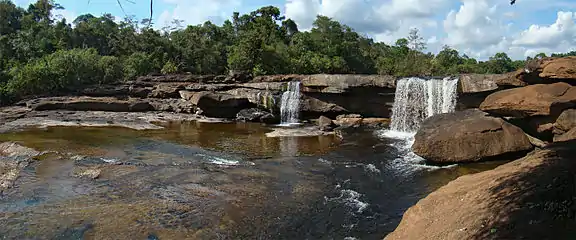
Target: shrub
[(169, 68), (63, 70), (137, 64), (111, 68)]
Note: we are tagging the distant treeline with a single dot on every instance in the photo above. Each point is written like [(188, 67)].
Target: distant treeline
[(40, 55)]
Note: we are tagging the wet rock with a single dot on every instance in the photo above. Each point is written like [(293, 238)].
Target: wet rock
[(256, 115), (106, 91), (89, 104), (468, 136), (91, 173), (530, 198), (326, 124), (11, 149), (13, 159), (533, 100), (220, 105), (355, 120)]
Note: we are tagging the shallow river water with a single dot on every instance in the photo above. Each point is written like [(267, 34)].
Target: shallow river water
[(213, 181)]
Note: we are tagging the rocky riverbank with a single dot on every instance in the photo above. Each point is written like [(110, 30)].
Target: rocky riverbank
[(530, 198), (349, 100)]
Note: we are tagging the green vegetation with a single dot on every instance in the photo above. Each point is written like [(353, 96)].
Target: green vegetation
[(40, 55)]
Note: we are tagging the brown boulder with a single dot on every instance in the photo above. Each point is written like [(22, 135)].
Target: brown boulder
[(566, 120), (530, 198), (468, 136), (570, 135), (533, 100), (476, 83), (559, 68), (220, 105), (325, 124)]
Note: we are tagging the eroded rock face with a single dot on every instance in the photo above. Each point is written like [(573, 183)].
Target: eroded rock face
[(468, 136), (530, 198), (533, 100), (220, 105), (340, 83)]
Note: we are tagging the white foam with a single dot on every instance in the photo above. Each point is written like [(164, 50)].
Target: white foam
[(350, 198), (371, 168), (219, 161)]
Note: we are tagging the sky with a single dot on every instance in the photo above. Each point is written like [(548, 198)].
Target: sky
[(478, 28)]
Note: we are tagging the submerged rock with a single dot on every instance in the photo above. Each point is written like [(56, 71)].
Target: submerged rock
[(530, 198), (468, 136), (13, 159), (533, 100)]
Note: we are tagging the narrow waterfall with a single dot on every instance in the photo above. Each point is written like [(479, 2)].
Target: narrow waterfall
[(290, 104), (417, 99)]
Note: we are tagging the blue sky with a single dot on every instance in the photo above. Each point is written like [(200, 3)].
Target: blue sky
[(478, 28)]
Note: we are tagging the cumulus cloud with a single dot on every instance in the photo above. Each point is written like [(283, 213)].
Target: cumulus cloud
[(563, 30), (198, 11)]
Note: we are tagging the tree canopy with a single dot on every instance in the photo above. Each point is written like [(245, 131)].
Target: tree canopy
[(40, 54)]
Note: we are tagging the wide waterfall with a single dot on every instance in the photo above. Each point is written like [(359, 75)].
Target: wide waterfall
[(417, 99), (290, 104)]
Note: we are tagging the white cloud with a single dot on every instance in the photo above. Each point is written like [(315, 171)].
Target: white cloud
[(563, 30), (198, 11)]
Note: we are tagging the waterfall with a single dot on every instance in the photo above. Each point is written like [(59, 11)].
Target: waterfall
[(290, 104), (417, 99)]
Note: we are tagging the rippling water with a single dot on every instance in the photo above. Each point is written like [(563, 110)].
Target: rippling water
[(214, 181)]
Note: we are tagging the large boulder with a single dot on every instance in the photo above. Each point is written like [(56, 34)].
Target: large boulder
[(468, 136), (566, 120), (476, 83), (533, 100), (559, 68), (89, 104), (220, 105), (530, 198), (256, 115)]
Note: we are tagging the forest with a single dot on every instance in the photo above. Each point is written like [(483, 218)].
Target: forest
[(41, 54)]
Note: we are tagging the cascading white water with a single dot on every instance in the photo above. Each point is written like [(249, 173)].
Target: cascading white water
[(417, 99), (290, 104)]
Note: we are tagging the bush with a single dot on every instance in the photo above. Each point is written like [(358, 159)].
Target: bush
[(169, 68), (111, 69), (63, 70), (137, 64)]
